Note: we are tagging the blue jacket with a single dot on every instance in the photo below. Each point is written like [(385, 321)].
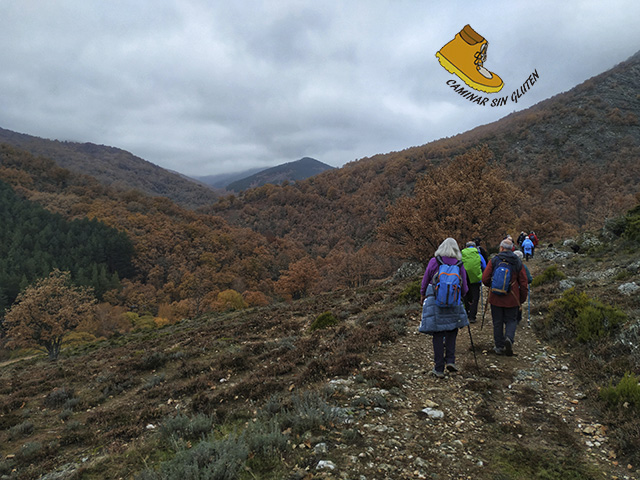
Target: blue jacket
[(441, 319), (527, 246)]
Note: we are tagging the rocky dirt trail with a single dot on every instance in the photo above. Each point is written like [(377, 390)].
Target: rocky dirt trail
[(514, 417)]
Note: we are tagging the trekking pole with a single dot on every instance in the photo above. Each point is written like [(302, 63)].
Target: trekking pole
[(529, 306), (473, 348), (484, 312)]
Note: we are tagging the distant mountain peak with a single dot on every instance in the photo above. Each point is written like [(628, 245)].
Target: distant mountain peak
[(291, 171)]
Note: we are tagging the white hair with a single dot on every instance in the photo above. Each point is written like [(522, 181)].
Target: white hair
[(506, 244), (449, 248)]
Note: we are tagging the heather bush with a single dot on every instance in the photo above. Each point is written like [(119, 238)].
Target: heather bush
[(187, 428), (58, 397), (21, 430)]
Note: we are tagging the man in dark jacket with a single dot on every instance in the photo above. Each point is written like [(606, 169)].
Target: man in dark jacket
[(504, 308)]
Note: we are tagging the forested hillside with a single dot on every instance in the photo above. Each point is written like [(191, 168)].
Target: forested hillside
[(183, 260), (34, 241), (114, 167), (574, 160), (541, 169)]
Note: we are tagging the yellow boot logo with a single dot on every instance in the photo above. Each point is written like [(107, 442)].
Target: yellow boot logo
[(465, 56)]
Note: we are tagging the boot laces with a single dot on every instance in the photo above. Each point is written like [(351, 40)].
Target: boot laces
[(481, 55), (480, 58)]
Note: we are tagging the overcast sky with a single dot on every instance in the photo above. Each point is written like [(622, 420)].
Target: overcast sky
[(206, 87)]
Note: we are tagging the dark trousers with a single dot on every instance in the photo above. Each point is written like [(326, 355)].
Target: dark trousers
[(471, 300), (444, 348), (505, 321)]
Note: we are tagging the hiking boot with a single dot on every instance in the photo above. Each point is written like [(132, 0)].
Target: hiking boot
[(464, 56), (452, 367), (508, 347), (472, 320), (499, 351), (437, 374)]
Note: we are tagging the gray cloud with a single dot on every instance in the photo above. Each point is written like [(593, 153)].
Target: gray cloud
[(210, 87)]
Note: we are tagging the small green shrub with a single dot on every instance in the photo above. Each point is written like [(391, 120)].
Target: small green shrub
[(211, 459), (154, 381), (153, 361), (324, 320), (583, 317), (626, 391), (550, 275), (632, 230), (30, 451), (71, 404), (21, 430), (187, 428), (309, 411), (616, 225), (65, 415), (623, 275), (411, 293), (58, 397)]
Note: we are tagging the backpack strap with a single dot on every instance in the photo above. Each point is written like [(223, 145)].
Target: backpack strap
[(439, 260)]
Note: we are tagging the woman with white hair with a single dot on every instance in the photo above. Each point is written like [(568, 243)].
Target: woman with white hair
[(443, 322)]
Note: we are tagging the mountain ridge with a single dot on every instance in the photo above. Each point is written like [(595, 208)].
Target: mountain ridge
[(113, 166), (287, 172)]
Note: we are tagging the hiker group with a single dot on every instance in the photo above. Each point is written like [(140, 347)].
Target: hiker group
[(451, 291)]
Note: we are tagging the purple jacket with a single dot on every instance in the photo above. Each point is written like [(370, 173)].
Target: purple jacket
[(432, 269)]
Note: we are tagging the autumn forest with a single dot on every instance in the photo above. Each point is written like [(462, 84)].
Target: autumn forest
[(560, 167)]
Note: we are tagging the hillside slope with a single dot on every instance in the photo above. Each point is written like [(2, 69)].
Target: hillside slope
[(575, 158), (341, 401), (114, 167)]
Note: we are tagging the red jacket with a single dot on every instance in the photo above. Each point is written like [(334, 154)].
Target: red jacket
[(517, 291)]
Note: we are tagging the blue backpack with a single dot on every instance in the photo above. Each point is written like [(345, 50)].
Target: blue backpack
[(501, 279), (447, 284)]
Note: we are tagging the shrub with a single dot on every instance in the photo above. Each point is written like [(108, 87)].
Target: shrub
[(632, 230), (324, 320), (30, 451), (211, 460), (308, 411), (550, 275), (616, 225), (584, 318), (154, 381), (230, 300), (186, 428), (627, 391), (58, 397), (152, 360), (21, 430), (411, 293)]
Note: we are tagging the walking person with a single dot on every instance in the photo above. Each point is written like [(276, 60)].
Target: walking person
[(443, 322), (527, 247), (474, 264), (481, 249), (520, 255), (534, 238), (507, 282)]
